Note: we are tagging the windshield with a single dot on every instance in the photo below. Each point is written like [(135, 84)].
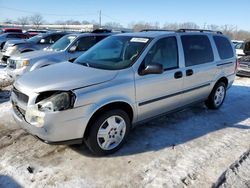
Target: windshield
[(113, 53), (35, 39), (62, 43)]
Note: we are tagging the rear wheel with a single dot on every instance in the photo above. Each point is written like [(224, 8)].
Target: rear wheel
[(108, 132), (217, 96)]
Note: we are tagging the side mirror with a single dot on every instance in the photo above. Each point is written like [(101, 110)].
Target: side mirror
[(72, 49), (42, 41), (154, 68)]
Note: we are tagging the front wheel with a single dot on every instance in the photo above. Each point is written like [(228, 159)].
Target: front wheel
[(108, 132), (217, 96)]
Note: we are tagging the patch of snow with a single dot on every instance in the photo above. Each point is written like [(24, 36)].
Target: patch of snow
[(5, 80)]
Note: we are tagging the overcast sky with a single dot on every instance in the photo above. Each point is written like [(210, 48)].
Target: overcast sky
[(219, 12)]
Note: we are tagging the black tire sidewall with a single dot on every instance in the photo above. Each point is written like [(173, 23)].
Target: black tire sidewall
[(91, 140), (210, 102)]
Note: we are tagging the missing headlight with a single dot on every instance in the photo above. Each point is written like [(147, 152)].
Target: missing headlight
[(55, 101)]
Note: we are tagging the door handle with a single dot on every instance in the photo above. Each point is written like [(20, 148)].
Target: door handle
[(178, 75), (189, 72)]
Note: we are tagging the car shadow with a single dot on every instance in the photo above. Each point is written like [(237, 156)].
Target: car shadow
[(8, 182), (171, 130)]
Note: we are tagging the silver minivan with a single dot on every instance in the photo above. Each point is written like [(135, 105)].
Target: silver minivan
[(121, 81)]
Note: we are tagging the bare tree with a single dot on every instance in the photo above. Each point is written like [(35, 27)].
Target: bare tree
[(23, 21), (85, 22), (143, 25), (8, 21), (185, 25), (72, 22), (113, 25), (36, 20)]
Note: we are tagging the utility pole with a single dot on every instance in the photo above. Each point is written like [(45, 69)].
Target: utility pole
[(100, 18)]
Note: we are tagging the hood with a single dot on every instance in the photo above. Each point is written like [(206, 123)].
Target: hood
[(63, 76), (36, 55), (16, 42)]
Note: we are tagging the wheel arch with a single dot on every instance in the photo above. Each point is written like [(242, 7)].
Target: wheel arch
[(222, 79), (110, 106)]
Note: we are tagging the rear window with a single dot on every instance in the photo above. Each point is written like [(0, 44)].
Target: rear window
[(197, 49), (224, 47)]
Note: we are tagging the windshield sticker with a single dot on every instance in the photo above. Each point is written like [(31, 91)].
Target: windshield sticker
[(142, 40)]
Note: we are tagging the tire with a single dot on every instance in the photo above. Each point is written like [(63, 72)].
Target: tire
[(217, 96), (107, 137)]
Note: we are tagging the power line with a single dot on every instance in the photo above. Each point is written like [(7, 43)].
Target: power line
[(48, 14)]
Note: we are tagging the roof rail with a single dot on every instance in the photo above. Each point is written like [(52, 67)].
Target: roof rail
[(101, 31), (199, 30), (146, 30)]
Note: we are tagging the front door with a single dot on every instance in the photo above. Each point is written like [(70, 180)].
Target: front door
[(159, 93)]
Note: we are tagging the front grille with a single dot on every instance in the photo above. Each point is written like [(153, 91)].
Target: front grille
[(20, 96), (12, 64), (18, 111)]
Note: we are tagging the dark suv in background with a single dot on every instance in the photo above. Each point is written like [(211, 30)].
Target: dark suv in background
[(244, 61)]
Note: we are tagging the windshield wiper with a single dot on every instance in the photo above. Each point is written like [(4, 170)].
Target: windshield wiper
[(84, 64)]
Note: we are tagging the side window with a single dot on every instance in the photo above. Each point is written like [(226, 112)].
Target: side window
[(165, 52), (224, 47), (46, 40), (56, 37), (83, 44), (197, 49), (11, 36), (99, 38), (51, 39), (21, 36)]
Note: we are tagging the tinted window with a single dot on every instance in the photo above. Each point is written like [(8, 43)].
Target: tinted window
[(197, 49), (99, 38), (52, 38), (12, 36), (85, 43), (164, 52), (224, 47), (56, 37)]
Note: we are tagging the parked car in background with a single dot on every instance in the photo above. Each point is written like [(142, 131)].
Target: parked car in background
[(37, 42), (11, 36), (121, 81), (68, 48), (244, 61), (239, 49), (10, 30), (235, 42), (33, 32)]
